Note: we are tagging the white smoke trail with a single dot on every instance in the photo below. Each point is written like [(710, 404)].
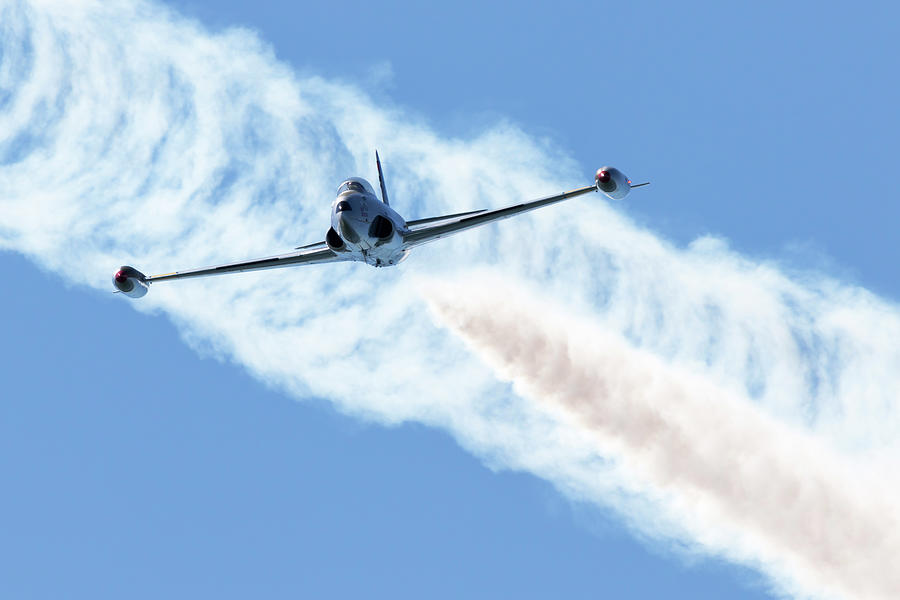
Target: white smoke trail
[(734, 476), (129, 135)]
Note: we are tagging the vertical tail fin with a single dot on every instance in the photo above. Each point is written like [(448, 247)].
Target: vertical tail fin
[(384, 196)]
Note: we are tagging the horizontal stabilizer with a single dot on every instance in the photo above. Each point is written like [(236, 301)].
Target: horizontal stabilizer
[(307, 246), (442, 218)]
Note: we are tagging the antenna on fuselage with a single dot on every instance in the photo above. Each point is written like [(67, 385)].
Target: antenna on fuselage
[(384, 196)]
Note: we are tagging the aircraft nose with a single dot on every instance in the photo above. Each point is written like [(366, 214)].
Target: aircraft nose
[(348, 232)]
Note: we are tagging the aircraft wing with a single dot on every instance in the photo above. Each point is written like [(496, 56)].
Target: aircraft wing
[(311, 254), (433, 228)]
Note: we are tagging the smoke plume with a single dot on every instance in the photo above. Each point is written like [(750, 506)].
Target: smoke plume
[(737, 478)]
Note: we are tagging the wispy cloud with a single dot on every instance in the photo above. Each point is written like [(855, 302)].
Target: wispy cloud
[(131, 135)]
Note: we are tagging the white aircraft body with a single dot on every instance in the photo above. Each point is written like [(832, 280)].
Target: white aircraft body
[(365, 228)]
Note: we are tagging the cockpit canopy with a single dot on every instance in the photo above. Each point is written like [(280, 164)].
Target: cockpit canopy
[(351, 186)]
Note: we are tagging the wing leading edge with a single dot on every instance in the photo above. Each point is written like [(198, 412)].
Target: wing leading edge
[(463, 221), (313, 254)]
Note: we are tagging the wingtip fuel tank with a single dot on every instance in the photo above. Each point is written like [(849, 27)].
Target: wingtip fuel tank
[(612, 182), (131, 282)]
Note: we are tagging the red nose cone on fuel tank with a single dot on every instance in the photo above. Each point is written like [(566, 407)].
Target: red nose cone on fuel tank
[(121, 277), (603, 176)]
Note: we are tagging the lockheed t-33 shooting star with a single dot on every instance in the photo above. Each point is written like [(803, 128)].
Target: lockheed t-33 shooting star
[(365, 228)]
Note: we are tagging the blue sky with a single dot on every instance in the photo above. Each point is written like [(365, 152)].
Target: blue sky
[(209, 484), (134, 465)]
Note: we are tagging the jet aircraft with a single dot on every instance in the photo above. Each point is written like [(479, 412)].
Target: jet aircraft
[(365, 228)]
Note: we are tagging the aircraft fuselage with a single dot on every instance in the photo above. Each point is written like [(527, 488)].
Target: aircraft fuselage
[(369, 230)]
